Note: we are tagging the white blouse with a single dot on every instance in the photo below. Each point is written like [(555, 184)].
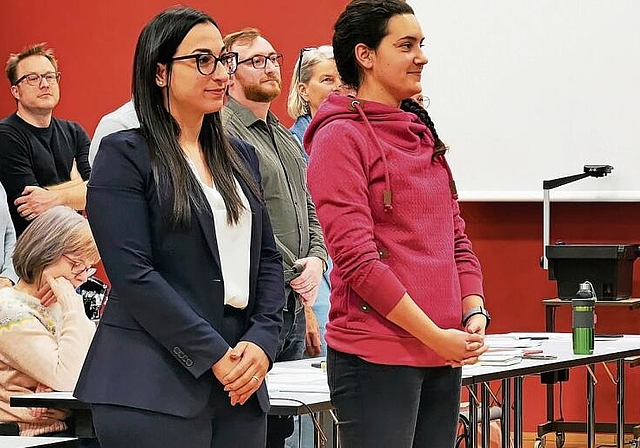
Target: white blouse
[(234, 244)]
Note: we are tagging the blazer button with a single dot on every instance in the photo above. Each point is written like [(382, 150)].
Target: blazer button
[(188, 363), (364, 307), (177, 351)]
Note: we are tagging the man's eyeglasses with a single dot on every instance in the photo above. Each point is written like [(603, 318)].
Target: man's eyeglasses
[(422, 100), (78, 268), (259, 61), (207, 62), (34, 79)]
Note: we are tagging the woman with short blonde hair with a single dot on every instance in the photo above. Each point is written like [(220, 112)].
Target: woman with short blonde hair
[(315, 77)]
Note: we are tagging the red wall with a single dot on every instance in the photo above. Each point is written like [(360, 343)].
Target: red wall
[(94, 41)]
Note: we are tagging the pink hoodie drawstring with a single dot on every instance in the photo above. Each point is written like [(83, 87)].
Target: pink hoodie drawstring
[(452, 183), (386, 194)]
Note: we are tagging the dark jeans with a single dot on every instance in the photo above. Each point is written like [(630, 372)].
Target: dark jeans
[(291, 341), (393, 406), (291, 345)]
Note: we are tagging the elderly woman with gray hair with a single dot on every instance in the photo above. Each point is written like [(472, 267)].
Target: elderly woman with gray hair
[(43, 347)]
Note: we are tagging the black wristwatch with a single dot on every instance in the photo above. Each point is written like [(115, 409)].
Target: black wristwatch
[(473, 311)]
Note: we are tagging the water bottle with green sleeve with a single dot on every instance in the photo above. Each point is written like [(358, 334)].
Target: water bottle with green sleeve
[(583, 306)]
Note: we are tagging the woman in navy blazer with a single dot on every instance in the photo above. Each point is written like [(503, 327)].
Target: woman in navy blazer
[(177, 359)]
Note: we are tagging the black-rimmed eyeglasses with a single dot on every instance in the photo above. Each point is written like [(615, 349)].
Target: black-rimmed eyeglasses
[(34, 79), (259, 61), (207, 62)]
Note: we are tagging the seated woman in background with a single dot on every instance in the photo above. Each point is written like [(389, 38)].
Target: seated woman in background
[(43, 347)]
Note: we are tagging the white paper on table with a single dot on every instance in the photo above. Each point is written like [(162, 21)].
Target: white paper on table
[(54, 395), (293, 380), (275, 388), (496, 343)]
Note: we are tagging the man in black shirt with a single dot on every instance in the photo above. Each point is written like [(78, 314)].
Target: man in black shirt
[(43, 160)]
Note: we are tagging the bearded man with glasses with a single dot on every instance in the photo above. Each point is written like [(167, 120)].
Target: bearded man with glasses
[(255, 84), (43, 159)]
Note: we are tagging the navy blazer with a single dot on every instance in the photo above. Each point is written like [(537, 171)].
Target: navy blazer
[(159, 335)]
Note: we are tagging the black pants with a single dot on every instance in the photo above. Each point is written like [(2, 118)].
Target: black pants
[(136, 428), (393, 406), (219, 426)]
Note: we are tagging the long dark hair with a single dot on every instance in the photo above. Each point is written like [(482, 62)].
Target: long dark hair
[(362, 22), (178, 187)]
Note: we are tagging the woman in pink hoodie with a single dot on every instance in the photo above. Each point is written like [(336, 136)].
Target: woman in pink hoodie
[(406, 305)]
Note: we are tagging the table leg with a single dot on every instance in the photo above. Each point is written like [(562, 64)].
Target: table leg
[(550, 314), (486, 431), (517, 411), (620, 394), (327, 424), (473, 415), (505, 422), (334, 429), (591, 408)]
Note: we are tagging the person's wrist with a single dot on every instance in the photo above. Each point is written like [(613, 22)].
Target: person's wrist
[(476, 311), (432, 335)]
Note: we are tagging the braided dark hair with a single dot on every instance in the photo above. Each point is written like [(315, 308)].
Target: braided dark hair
[(412, 106)]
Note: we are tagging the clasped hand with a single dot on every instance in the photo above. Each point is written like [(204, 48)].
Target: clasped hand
[(460, 348), (241, 371)]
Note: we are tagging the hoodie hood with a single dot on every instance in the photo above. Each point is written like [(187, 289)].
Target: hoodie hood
[(402, 129), (397, 128)]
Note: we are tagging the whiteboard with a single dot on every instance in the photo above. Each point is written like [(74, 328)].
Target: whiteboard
[(524, 91)]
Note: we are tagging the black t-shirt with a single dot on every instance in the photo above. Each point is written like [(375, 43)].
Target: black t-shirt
[(40, 157)]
